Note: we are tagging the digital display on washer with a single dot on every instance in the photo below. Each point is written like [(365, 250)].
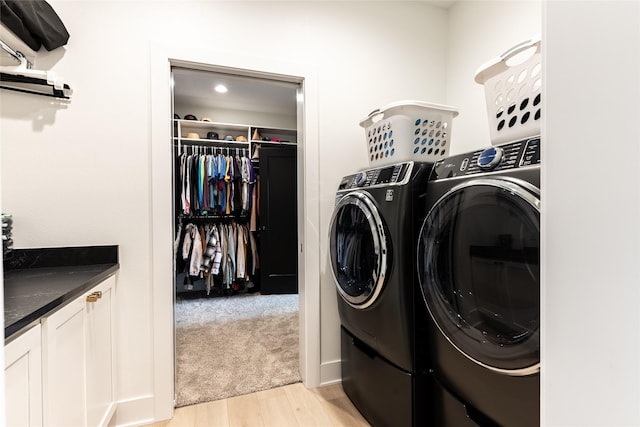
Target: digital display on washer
[(531, 153), (385, 175)]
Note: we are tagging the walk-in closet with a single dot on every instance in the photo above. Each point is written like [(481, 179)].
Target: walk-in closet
[(235, 174)]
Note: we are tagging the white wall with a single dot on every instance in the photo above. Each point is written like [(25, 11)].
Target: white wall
[(80, 174), (479, 31), (591, 211)]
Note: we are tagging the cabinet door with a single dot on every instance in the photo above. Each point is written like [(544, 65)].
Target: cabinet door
[(64, 379), (23, 380), (100, 355), (278, 219)]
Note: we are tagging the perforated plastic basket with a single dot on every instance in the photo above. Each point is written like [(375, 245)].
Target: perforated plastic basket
[(512, 84), (408, 130)]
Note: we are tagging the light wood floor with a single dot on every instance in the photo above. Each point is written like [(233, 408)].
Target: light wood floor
[(289, 406)]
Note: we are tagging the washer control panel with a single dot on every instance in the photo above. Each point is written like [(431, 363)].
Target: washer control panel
[(389, 175), (507, 156), (490, 158)]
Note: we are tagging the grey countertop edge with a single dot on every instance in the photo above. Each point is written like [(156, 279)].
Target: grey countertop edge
[(16, 329)]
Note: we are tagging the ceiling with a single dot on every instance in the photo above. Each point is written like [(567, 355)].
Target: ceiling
[(196, 87)]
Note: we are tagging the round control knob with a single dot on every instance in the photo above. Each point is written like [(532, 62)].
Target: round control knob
[(490, 158), (361, 178)]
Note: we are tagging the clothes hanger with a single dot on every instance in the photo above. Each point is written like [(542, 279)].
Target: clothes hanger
[(22, 78)]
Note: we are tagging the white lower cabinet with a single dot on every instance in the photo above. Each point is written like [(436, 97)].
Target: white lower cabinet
[(100, 345), (78, 358), (23, 380)]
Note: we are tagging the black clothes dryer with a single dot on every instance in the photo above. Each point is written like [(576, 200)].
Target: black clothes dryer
[(373, 236), (478, 260)]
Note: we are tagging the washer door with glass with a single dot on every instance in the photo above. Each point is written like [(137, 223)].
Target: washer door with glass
[(358, 249), (479, 271)]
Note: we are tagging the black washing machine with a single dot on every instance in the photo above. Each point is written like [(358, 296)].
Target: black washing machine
[(478, 260), (373, 238)]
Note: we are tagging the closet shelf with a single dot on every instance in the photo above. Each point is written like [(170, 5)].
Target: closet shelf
[(257, 142), (276, 136), (185, 141), (206, 125)]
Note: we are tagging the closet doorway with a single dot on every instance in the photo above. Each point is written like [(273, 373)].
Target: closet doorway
[(235, 149)]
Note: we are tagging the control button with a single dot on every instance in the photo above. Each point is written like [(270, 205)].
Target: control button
[(361, 179), (490, 158)]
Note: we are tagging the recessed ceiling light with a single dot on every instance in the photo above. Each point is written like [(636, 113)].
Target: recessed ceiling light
[(221, 89)]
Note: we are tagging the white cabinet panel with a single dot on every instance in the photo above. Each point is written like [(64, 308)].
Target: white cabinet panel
[(23, 380), (78, 360), (64, 366), (101, 355)]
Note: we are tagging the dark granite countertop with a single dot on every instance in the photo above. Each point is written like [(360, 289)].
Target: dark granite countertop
[(39, 281)]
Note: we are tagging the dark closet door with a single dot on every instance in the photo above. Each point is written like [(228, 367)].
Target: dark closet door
[(278, 220)]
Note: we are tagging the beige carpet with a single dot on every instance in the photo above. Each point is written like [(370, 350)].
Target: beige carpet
[(229, 346)]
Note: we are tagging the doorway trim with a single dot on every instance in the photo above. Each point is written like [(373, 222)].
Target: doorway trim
[(162, 57)]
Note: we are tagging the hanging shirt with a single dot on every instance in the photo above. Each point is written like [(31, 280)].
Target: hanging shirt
[(211, 182), (255, 262), (222, 230), (213, 252), (253, 221), (246, 178), (241, 253), (227, 179), (183, 183), (205, 184), (192, 244), (222, 188), (200, 183), (237, 185), (193, 180), (187, 184), (231, 250)]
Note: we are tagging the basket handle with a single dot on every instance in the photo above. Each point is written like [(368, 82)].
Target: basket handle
[(499, 64), (520, 47), (374, 113)]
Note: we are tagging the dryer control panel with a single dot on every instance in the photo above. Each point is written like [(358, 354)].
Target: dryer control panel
[(502, 157), (389, 175)]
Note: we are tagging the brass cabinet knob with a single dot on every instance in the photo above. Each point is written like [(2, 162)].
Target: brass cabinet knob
[(94, 296)]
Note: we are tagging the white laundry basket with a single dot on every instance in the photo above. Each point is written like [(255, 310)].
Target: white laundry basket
[(408, 130), (512, 84)]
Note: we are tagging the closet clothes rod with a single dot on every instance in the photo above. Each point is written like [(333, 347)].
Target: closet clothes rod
[(212, 149), (218, 147), (212, 143), (243, 217)]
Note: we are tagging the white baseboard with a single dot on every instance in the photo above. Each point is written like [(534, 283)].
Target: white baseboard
[(136, 411), (330, 372)]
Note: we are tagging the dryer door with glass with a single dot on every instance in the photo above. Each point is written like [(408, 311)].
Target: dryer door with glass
[(479, 271), (358, 249)]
